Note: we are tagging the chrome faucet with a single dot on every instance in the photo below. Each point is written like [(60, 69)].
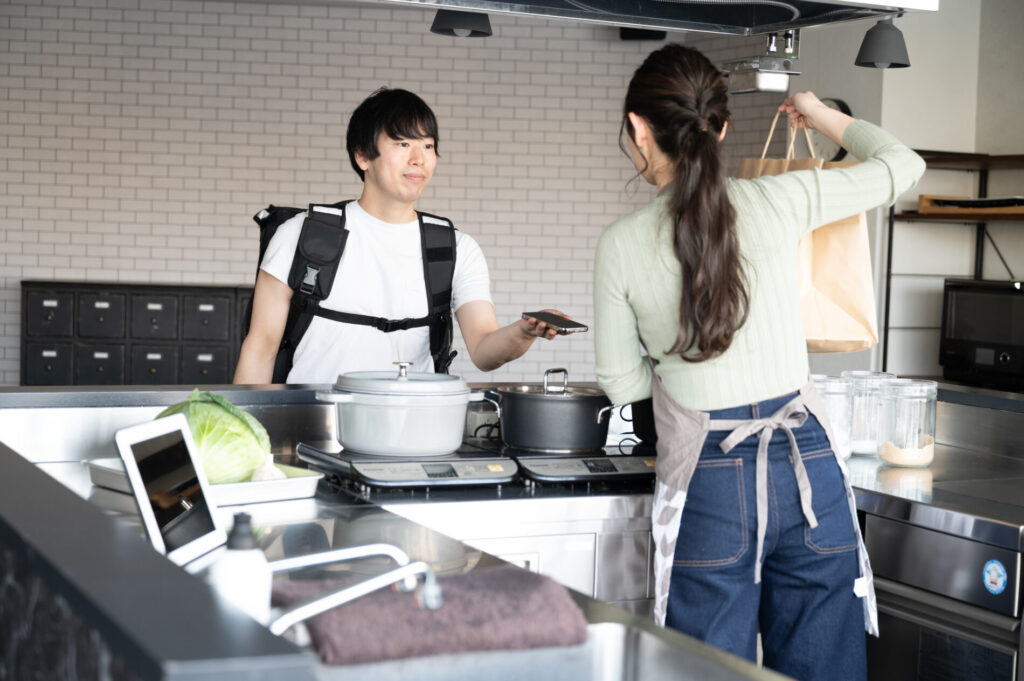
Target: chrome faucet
[(429, 596)]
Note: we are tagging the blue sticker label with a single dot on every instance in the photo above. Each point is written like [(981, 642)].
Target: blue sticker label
[(994, 577)]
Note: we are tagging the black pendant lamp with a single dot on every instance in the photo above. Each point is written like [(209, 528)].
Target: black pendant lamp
[(883, 47), (461, 24)]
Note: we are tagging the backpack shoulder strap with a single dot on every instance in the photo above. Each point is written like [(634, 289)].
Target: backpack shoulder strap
[(314, 266), (321, 245), (437, 236)]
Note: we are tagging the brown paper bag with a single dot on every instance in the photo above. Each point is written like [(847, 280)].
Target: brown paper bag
[(837, 293)]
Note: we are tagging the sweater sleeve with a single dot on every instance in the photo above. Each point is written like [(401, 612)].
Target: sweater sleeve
[(807, 199), (622, 370)]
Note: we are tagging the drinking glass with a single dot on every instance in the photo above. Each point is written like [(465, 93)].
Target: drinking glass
[(864, 415), (837, 394)]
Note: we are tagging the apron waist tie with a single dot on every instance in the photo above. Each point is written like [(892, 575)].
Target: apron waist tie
[(789, 416)]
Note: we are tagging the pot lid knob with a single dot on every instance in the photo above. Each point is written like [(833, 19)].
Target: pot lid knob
[(403, 369)]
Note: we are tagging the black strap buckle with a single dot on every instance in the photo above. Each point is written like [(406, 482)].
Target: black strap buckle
[(389, 325), (308, 284)]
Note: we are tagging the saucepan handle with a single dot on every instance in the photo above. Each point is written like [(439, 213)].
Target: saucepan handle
[(603, 411), (494, 397)]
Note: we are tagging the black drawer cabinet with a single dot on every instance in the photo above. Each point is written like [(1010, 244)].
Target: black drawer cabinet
[(85, 333), (47, 363), (206, 318), (205, 365), (154, 365), (154, 316), (49, 313), (99, 364), (101, 315)]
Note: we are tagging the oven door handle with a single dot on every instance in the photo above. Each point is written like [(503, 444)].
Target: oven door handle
[(947, 615)]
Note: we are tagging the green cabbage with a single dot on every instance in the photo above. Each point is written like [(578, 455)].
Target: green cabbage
[(231, 443)]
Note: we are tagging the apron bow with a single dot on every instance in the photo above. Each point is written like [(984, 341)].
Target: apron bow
[(791, 415)]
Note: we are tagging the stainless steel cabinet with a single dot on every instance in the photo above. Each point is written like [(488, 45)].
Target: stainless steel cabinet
[(86, 333)]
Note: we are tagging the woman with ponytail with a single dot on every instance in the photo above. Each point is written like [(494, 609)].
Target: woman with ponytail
[(696, 305)]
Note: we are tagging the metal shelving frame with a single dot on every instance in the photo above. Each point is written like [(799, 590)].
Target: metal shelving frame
[(946, 160)]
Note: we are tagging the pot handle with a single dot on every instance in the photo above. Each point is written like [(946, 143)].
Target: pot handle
[(565, 379), (603, 411), (494, 397), (335, 397)]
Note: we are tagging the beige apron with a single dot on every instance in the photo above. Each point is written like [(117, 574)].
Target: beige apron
[(681, 436)]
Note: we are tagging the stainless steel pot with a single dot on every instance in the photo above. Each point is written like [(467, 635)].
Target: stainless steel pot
[(403, 414), (553, 417)]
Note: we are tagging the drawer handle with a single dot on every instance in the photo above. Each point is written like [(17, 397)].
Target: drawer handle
[(204, 372), (152, 320), (100, 319), (49, 316), (49, 367), (99, 369), (152, 370), (205, 322)]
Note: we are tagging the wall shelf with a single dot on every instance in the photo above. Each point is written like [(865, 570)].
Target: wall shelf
[(965, 217), (946, 160)]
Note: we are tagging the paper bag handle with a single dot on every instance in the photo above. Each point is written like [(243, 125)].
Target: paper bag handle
[(790, 149)]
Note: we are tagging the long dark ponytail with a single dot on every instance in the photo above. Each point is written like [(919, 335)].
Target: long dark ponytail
[(683, 98)]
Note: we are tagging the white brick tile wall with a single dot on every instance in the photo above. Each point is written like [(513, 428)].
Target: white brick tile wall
[(137, 137)]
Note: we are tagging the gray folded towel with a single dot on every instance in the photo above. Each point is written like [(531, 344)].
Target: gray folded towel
[(504, 608)]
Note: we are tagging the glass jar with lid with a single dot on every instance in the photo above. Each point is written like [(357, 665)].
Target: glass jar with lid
[(864, 414), (837, 392), (906, 435)]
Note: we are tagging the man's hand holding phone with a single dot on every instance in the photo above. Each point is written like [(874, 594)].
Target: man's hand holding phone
[(551, 323)]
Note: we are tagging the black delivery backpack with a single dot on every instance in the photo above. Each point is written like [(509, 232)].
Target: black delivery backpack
[(321, 245)]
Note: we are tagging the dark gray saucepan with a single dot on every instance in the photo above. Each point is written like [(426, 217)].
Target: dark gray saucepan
[(554, 418)]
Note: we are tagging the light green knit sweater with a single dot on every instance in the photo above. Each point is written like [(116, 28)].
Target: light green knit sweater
[(637, 284)]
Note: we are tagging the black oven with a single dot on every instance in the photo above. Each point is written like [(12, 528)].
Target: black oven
[(983, 333)]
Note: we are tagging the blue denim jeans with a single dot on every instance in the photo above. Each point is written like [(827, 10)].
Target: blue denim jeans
[(811, 623)]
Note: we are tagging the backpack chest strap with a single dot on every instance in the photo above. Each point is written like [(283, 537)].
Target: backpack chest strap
[(379, 323)]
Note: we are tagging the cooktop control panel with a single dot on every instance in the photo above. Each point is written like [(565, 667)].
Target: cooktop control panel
[(572, 468), (492, 470)]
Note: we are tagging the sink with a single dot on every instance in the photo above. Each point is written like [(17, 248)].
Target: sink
[(613, 652)]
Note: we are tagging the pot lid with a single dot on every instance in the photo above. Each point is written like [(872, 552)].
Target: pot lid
[(556, 392), (400, 382), (554, 389)]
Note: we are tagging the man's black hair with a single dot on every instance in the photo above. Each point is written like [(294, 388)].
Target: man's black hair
[(398, 113)]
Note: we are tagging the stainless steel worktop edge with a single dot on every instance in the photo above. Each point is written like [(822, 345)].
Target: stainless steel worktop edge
[(157, 395), (106, 573)]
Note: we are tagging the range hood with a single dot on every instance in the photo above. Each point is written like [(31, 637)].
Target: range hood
[(732, 17)]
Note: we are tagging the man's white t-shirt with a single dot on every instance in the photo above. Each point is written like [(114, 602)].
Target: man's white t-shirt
[(380, 275)]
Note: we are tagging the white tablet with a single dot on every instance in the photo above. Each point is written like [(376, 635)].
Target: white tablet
[(170, 488)]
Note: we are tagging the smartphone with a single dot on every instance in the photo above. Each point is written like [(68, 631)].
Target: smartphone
[(556, 322)]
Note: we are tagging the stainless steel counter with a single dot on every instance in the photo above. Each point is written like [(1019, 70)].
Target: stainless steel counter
[(146, 629), (969, 492), (963, 493)]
